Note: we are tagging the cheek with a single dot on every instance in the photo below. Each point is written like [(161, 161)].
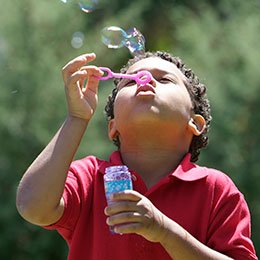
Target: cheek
[(178, 101), (121, 104)]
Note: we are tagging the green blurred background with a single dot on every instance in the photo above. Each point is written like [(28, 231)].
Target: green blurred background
[(219, 39)]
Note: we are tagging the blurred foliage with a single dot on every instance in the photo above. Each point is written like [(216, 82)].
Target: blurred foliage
[(218, 39)]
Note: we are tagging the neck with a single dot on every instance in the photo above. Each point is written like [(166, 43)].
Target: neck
[(153, 151), (152, 166), (152, 162)]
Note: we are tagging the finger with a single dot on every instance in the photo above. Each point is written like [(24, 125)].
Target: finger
[(117, 207), (84, 73), (129, 195), (94, 68), (76, 64), (128, 228), (125, 217), (77, 77), (93, 73)]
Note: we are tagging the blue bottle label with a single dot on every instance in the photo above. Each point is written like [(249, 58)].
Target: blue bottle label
[(117, 186)]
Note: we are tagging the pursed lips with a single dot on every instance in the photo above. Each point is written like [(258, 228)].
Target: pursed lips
[(145, 88)]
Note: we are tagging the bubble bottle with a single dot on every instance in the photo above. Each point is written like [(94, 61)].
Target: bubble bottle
[(116, 179)]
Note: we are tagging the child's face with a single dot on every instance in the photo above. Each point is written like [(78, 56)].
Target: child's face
[(164, 100)]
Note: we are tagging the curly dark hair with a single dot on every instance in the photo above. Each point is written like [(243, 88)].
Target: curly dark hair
[(197, 92)]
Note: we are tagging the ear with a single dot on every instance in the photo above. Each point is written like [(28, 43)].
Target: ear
[(197, 124), (112, 130)]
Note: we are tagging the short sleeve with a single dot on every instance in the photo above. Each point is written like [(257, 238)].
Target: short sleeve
[(77, 194), (71, 197), (230, 229)]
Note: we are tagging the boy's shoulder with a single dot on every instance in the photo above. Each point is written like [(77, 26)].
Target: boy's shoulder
[(216, 174), (94, 164), (90, 164), (190, 171), (219, 181)]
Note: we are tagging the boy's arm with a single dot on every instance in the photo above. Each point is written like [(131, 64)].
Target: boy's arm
[(40, 191), (182, 245), (39, 195)]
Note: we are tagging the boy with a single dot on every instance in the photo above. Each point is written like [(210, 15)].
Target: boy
[(177, 210)]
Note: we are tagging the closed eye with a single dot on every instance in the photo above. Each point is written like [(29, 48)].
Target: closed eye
[(165, 80), (130, 82), (126, 83)]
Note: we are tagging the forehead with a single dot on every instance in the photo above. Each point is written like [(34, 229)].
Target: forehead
[(156, 64)]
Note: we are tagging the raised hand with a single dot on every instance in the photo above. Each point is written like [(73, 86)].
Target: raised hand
[(81, 86)]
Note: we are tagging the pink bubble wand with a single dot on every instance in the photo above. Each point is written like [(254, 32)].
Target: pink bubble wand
[(142, 77)]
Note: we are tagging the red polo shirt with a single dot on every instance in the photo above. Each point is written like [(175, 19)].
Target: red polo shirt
[(203, 201)]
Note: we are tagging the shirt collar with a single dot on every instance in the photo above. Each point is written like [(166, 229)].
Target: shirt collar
[(188, 171), (185, 171), (115, 159)]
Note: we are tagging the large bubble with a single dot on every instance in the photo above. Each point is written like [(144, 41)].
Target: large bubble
[(115, 37)]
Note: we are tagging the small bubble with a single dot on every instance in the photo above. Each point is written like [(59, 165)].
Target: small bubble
[(66, 1), (86, 6), (77, 40)]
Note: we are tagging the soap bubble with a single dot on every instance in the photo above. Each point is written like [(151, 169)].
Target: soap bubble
[(135, 42), (77, 40), (86, 6), (67, 1), (115, 37)]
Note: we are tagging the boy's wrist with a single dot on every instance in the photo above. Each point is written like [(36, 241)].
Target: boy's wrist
[(168, 228), (171, 236), (161, 233), (76, 119)]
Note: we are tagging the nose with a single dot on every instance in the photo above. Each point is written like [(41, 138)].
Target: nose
[(152, 82), (146, 78)]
